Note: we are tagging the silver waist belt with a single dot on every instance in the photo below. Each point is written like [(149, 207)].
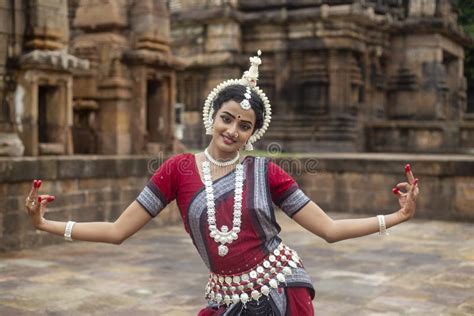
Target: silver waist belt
[(256, 282)]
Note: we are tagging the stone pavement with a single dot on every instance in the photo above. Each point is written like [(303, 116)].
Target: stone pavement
[(423, 268)]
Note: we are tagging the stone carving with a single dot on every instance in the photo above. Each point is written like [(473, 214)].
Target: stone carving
[(93, 76), (55, 59), (11, 145), (343, 75)]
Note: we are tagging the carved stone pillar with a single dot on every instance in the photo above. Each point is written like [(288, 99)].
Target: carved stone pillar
[(339, 82), (152, 67), (114, 94)]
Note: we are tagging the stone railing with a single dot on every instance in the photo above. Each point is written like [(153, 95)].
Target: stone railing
[(362, 183), (99, 188)]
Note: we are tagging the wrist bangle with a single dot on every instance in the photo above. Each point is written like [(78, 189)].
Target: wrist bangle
[(382, 227), (68, 230)]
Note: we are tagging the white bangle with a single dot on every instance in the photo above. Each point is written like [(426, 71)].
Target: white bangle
[(382, 227), (68, 230)]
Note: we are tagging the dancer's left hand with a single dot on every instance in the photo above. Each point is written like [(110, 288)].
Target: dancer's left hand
[(408, 198)]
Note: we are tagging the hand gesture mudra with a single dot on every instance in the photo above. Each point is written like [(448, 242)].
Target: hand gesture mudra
[(407, 199), (36, 204)]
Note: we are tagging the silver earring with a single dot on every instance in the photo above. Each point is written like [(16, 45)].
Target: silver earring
[(248, 146), (210, 129)]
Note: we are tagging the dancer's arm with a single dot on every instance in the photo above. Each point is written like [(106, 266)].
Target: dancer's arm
[(314, 219), (129, 222)]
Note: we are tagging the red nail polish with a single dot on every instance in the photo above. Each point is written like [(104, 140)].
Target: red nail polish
[(39, 199), (50, 198), (395, 191), (39, 183), (35, 183), (416, 181), (407, 167)]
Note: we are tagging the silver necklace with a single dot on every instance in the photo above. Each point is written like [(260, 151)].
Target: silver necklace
[(223, 236), (221, 163)]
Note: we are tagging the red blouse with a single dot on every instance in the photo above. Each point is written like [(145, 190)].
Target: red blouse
[(265, 183)]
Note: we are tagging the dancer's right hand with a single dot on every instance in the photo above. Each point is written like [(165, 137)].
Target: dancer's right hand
[(36, 204)]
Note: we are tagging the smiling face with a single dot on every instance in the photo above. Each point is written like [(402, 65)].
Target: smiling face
[(233, 126)]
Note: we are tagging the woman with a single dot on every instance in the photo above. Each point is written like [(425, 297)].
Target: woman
[(225, 202)]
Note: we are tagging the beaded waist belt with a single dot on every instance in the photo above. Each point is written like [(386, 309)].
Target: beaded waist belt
[(258, 281)]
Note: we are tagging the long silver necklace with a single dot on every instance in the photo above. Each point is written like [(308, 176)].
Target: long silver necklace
[(223, 236)]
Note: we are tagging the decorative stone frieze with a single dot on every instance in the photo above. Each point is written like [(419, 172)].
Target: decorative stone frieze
[(55, 59)]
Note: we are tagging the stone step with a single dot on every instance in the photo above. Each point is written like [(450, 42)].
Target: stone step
[(291, 129), (297, 130), (315, 126), (312, 130), (323, 129), (308, 145), (335, 136), (313, 118)]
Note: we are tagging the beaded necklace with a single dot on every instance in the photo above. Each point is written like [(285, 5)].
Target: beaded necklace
[(223, 236)]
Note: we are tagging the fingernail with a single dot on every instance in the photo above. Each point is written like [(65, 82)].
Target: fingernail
[(395, 191), (416, 181), (50, 198), (407, 167), (39, 183), (35, 183), (39, 199)]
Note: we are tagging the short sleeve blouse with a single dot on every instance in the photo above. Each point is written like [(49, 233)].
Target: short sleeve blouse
[(162, 188), (284, 190)]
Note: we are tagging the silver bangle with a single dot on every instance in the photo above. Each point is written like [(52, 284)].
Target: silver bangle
[(68, 230), (382, 227)]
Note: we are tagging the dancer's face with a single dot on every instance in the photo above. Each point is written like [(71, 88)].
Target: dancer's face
[(233, 126)]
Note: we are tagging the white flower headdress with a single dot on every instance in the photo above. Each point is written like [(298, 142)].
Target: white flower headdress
[(249, 80)]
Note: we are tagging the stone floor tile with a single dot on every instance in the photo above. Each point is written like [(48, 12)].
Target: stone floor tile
[(422, 268)]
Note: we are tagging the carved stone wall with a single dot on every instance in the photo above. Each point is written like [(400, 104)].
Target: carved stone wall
[(87, 189), (81, 77), (99, 189), (131, 94), (86, 77), (36, 78), (342, 75)]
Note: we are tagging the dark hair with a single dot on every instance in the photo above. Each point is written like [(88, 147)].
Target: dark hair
[(236, 93)]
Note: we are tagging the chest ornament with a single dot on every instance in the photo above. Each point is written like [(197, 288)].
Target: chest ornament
[(223, 235)]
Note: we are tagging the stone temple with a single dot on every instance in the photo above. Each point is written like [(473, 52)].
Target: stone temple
[(86, 77), (130, 77), (92, 92), (342, 75)]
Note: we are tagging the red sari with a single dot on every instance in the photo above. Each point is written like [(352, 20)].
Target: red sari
[(264, 184)]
